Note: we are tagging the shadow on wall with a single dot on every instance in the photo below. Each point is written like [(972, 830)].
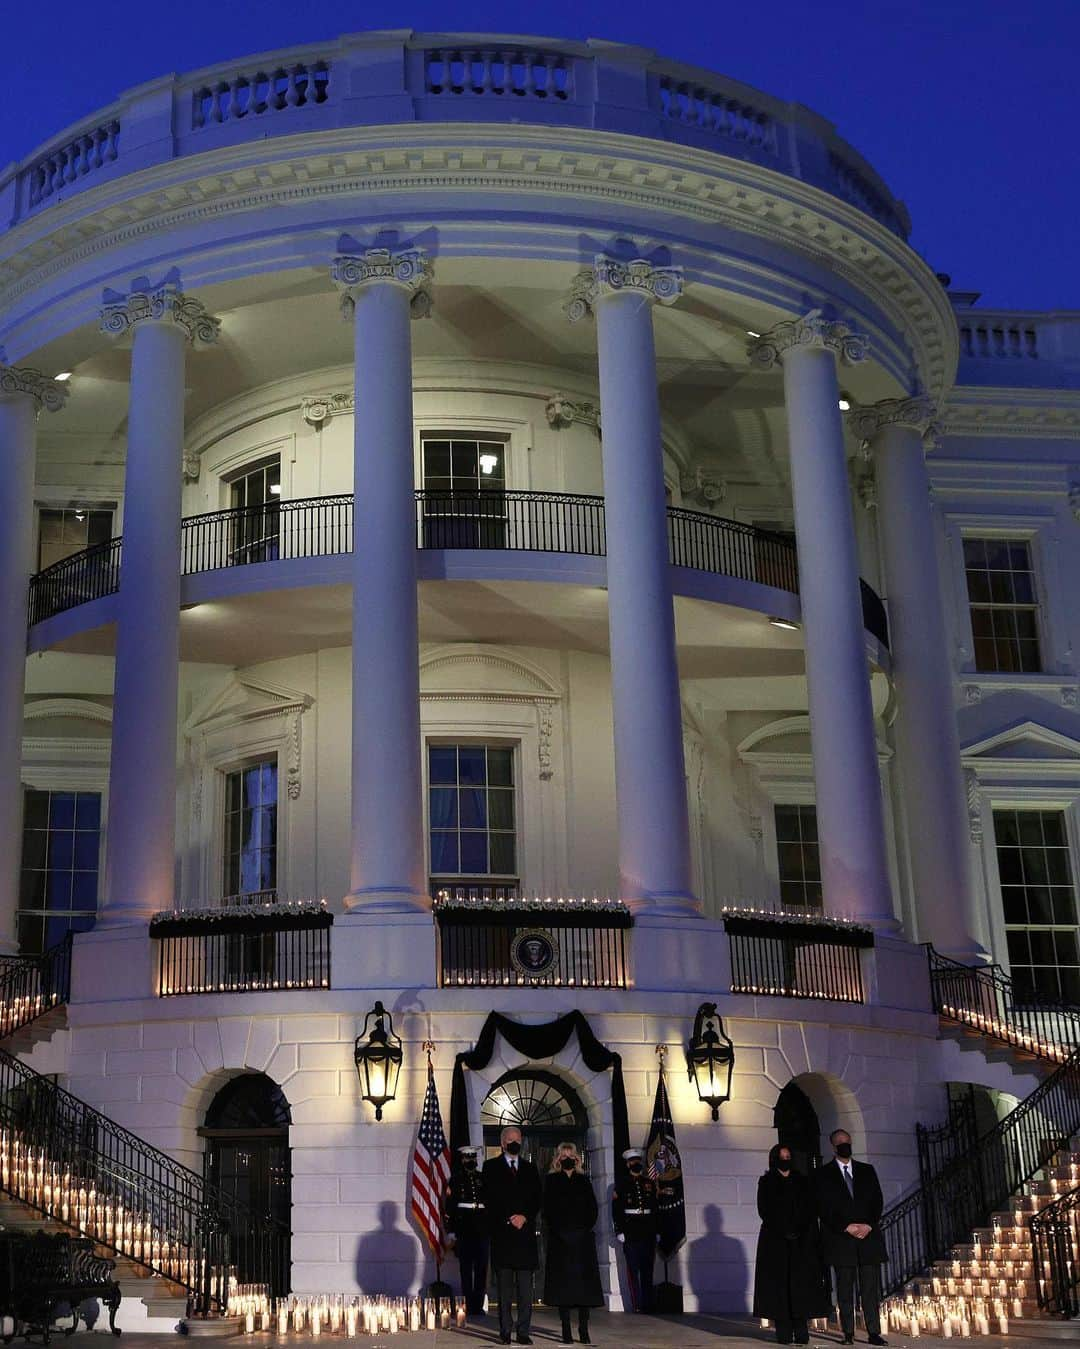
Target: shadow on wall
[(386, 1260), (716, 1267)]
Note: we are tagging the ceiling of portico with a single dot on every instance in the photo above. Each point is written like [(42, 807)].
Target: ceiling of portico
[(716, 641), (280, 326)]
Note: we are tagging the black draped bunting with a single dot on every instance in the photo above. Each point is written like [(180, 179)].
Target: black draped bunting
[(538, 1042)]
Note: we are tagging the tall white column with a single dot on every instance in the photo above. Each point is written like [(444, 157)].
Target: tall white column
[(140, 845), (650, 774), (383, 291), (927, 742), (851, 833), (23, 393)]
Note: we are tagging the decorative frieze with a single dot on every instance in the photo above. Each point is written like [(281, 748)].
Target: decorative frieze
[(165, 303), (408, 267), (563, 412), (974, 806), (812, 330), (920, 413), (45, 392), (609, 276), (315, 411)]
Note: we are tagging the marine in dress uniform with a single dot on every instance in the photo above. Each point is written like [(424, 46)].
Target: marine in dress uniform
[(634, 1215), (466, 1222)]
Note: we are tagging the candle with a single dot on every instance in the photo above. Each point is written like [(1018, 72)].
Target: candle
[(965, 1330), (1003, 1324), (282, 1319), (460, 1317), (414, 1315), (249, 1323), (350, 1323), (914, 1327), (430, 1316), (1018, 1307), (316, 1320), (946, 1327)]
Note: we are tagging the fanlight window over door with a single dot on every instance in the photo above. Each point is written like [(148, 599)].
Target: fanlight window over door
[(546, 1109)]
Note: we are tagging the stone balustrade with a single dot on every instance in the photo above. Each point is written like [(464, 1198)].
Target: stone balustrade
[(379, 79)]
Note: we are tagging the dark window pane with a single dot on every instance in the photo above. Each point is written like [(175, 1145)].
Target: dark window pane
[(1018, 948), (1006, 827), (1070, 984), (443, 807), (1066, 953), (1014, 904), (34, 848), (1057, 866), (474, 853), (88, 811), (787, 823), (1064, 905), (442, 763), (978, 588), (31, 934), (58, 890), (1010, 869), (974, 552), (501, 809), (444, 853), (1035, 870), (473, 807), (471, 765), (86, 852), (1019, 556), (500, 766), (997, 554), (61, 849), (503, 861), (36, 810), (32, 890), (463, 463), (1030, 827), (84, 890), (436, 459), (808, 823), (791, 861), (62, 810)]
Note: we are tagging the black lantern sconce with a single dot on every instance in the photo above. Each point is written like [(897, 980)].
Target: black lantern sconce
[(378, 1056), (710, 1058)]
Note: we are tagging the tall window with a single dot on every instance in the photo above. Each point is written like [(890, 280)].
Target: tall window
[(59, 883), (251, 829), (464, 487), (1039, 902), (1004, 607), (797, 855), (64, 531), (471, 814), (255, 497)]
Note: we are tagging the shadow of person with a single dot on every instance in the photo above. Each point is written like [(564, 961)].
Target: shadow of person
[(386, 1259), (716, 1267)]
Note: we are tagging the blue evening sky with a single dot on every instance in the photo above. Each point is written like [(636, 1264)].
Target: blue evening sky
[(968, 108)]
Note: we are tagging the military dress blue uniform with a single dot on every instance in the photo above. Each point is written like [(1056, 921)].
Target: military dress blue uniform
[(634, 1214), (466, 1222)]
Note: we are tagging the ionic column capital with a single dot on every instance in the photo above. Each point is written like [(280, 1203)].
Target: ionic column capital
[(408, 267), (812, 330), (45, 392), (609, 276), (166, 303), (919, 412)]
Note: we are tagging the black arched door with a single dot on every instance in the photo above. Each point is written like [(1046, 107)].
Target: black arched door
[(247, 1157), (797, 1128)]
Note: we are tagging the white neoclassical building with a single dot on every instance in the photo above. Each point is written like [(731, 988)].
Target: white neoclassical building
[(512, 526)]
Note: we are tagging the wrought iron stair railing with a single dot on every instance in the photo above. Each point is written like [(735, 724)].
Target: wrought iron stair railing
[(31, 986), (74, 1165), (1055, 1234), (984, 999), (961, 1195)]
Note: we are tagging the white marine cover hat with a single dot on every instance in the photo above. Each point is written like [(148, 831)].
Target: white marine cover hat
[(632, 1152)]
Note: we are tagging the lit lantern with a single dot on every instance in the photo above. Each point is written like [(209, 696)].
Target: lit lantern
[(378, 1059), (710, 1058)]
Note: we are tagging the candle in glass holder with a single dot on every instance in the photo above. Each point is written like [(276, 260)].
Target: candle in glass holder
[(414, 1315), (1018, 1307), (1003, 1324), (946, 1327), (430, 1318), (282, 1319), (249, 1322), (350, 1322), (461, 1316)]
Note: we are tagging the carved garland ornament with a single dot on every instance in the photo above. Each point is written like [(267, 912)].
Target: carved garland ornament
[(45, 392), (409, 267), (317, 410), (812, 330), (920, 413), (167, 303), (563, 412), (608, 276)]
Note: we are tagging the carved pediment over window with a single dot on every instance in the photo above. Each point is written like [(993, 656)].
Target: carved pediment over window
[(229, 713)]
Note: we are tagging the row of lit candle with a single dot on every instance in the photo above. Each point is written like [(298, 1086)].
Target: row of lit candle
[(1006, 1030), (324, 1314), (958, 1317)]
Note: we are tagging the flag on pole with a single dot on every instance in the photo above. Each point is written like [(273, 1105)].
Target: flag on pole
[(665, 1167), (430, 1171)]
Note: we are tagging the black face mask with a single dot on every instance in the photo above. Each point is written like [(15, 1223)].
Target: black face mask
[(843, 1150), (635, 1168), (568, 1163), (512, 1149), (783, 1165)]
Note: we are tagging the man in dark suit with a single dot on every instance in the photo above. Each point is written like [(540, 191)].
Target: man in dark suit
[(513, 1194), (849, 1204)]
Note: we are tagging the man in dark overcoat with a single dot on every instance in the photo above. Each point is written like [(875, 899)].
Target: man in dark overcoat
[(849, 1204), (467, 1226), (512, 1193)]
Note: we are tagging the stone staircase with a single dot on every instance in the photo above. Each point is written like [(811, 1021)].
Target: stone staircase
[(151, 1303)]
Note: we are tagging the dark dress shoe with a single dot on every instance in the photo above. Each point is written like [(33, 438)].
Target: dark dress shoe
[(583, 1336), (524, 1339), (848, 1339), (876, 1339), (504, 1339)]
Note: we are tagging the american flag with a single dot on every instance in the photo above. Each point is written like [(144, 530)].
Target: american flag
[(430, 1171)]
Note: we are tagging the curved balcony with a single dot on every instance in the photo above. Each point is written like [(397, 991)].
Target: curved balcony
[(539, 522), (381, 79)]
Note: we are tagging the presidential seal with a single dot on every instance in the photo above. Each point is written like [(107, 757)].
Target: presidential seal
[(533, 953)]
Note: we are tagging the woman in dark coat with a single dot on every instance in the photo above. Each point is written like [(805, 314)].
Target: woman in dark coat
[(789, 1285), (571, 1274)]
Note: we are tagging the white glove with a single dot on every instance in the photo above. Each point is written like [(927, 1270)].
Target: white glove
[(622, 1236)]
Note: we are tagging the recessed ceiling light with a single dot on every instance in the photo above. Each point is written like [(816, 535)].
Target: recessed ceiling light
[(785, 623), (62, 376), (844, 405), (275, 489), (488, 463)]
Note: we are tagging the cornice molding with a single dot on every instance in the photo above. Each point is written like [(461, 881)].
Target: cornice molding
[(123, 312), (673, 180), (1046, 414), (24, 380), (813, 330)]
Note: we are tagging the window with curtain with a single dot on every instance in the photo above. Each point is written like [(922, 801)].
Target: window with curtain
[(1038, 900), (61, 846), (251, 829), (471, 813)]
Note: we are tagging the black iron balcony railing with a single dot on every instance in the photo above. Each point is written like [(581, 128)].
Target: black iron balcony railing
[(254, 948), (69, 1162), (31, 986), (984, 999), (1055, 1234), (547, 522), (961, 1196), (521, 943), (785, 957)]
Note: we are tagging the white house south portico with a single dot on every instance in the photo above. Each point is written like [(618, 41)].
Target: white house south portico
[(675, 618)]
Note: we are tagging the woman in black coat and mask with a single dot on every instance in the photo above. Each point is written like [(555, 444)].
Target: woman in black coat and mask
[(571, 1274), (789, 1286)]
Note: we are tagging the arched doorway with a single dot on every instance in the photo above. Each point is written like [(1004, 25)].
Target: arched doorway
[(247, 1157), (797, 1127), (547, 1110)]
